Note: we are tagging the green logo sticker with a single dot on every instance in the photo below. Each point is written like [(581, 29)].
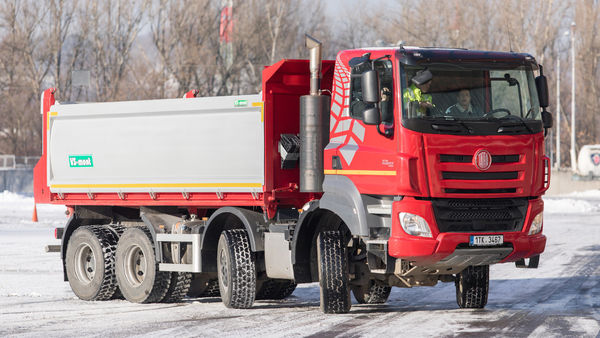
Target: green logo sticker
[(80, 161), (241, 103)]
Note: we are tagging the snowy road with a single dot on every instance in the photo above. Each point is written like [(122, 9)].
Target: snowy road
[(561, 298)]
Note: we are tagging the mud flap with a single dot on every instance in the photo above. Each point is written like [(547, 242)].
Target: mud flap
[(534, 261)]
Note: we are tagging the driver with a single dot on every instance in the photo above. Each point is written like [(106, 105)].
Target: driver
[(463, 106), (418, 90)]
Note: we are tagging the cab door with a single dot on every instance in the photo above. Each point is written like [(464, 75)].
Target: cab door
[(356, 150)]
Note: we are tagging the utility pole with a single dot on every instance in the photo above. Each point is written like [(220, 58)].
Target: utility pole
[(558, 111), (573, 152)]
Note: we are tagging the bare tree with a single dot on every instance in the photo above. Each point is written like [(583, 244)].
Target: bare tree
[(113, 26)]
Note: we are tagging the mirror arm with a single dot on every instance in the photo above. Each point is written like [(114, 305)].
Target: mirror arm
[(386, 132)]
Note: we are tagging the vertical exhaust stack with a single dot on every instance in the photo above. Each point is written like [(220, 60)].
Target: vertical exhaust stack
[(314, 124)]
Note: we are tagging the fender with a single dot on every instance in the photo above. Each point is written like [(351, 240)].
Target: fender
[(343, 199), (251, 220), (72, 224)]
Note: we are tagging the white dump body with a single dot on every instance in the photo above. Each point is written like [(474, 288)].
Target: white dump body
[(588, 161), (213, 144)]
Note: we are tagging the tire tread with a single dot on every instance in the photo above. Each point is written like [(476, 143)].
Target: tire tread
[(333, 273), (472, 286)]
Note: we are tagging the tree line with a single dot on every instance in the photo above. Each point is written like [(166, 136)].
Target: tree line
[(150, 49)]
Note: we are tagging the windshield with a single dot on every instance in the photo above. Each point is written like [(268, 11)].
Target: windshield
[(482, 92)]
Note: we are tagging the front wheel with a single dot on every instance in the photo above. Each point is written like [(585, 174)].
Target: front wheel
[(333, 272), (275, 289), (236, 268), (472, 285), (372, 293)]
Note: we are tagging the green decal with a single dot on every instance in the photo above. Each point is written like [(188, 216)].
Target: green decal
[(241, 103), (80, 161)]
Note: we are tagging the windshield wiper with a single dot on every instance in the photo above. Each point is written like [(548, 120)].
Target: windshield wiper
[(453, 119), (502, 129)]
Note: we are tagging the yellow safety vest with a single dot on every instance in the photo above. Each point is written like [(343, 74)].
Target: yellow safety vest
[(413, 93)]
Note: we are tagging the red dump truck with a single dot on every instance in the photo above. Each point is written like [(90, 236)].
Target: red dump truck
[(335, 174)]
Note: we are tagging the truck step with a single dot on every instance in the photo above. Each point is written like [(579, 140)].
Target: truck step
[(52, 248), (380, 209)]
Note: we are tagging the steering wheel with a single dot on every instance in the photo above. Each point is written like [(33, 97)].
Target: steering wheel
[(496, 112)]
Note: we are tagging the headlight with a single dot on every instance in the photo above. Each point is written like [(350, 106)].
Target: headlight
[(414, 225), (536, 225)]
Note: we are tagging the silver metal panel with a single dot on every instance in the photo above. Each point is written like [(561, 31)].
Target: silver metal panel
[(278, 256), (192, 145), (188, 238), (176, 267)]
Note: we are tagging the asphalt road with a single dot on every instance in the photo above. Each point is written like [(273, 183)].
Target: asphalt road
[(561, 298)]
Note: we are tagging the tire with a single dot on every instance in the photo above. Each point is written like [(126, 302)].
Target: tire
[(275, 289), (333, 272), (204, 287), (90, 263), (472, 285), (212, 289), (137, 270), (373, 293), (178, 288), (236, 269)]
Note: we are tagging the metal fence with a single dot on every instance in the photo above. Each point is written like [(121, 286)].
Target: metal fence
[(11, 162), (8, 162)]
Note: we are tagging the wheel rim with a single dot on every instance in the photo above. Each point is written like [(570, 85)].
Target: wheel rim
[(135, 265), (223, 269), (85, 267)]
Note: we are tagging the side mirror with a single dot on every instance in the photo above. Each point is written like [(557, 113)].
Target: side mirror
[(547, 119), (541, 85), (371, 116), (370, 86)]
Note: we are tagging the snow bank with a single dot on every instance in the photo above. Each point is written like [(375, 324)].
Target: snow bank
[(595, 193), (573, 203), (16, 212), (569, 206)]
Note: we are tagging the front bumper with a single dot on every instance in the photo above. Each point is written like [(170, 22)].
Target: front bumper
[(431, 250)]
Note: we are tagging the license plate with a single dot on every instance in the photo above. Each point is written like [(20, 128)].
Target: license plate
[(486, 240)]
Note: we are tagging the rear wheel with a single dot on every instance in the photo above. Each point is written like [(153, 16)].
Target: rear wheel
[(275, 289), (90, 263), (333, 272), (372, 293), (137, 269), (178, 288), (202, 286), (236, 269), (472, 285)]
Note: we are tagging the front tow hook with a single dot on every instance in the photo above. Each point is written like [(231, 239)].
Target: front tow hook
[(534, 261)]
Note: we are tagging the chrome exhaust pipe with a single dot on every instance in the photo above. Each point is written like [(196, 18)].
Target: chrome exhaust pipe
[(314, 124), (314, 47)]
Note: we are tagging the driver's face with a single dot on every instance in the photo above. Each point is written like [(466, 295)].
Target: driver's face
[(464, 98), (425, 87)]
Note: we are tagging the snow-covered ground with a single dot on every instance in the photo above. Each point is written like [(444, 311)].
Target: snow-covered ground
[(561, 298)]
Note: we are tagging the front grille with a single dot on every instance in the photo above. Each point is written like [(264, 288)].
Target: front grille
[(481, 191), (458, 175), (480, 215), (459, 168), (469, 158)]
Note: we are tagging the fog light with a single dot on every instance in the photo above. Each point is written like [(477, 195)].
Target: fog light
[(536, 225), (414, 225)]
